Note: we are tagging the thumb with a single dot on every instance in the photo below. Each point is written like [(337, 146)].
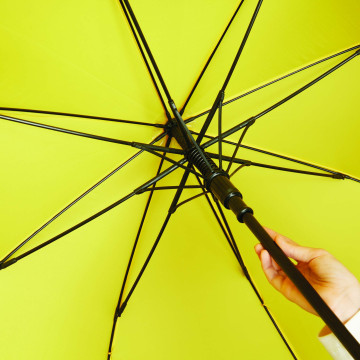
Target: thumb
[(292, 249)]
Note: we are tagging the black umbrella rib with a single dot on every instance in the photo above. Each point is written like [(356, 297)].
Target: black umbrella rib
[(188, 138), (210, 58), (275, 81), (221, 93), (172, 161), (299, 91), (274, 167), (182, 186), (175, 187), (232, 243), (281, 102), (163, 227), (92, 117), (62, 130), (251, 24), (144, 58), (67, 207), (190, 199), (246, 128), (151, 148), (290, 74), (137, 191), (217, 217), (184, 130), (180, 122), (220, 130), (246, 163), (352, 178), (248, 277), (66, 232), (133, 253), (134, 144), (152, 188), (147, 48), (335, 173), (123, 305)]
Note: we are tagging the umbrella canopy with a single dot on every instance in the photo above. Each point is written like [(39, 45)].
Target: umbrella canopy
[(74, 68)]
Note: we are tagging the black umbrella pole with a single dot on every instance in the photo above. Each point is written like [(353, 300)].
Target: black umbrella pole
[(231, 198), (331, 320)]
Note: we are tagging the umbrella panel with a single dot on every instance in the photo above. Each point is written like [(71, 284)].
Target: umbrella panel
[(92, 343)]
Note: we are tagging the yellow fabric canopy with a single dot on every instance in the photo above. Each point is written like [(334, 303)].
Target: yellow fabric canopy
[(193, 300)]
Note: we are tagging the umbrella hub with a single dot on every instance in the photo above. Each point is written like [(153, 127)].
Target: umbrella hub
[(216, 180)]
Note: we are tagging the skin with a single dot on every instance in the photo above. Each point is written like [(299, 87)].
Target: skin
[(333, 281)]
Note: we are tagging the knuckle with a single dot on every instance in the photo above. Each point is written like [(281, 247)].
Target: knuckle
[(321, 252)]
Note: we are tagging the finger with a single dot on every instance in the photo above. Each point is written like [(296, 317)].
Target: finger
[(292, 249), (278, 278), (258, 248), (274, 277), (275, 265), (271, 232), (276, 236)]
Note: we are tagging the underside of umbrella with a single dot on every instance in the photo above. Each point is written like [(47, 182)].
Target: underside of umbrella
[(123, 127)]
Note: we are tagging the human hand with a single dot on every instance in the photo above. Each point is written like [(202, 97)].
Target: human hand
[(337, 286)]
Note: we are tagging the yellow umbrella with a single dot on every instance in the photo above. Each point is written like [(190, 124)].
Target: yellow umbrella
[(83, 125)]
